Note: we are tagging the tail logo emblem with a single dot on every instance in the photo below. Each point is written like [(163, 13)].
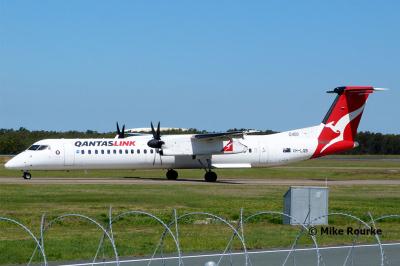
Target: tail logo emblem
[(340, 126)]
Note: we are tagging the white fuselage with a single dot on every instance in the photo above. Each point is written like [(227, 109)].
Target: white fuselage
[(134, 153)]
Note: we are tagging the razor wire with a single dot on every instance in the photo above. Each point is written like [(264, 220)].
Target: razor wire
[(172, 227)]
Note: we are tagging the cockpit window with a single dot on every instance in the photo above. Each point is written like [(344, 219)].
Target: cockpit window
[(38, 147), (42, 147), (34, 147)]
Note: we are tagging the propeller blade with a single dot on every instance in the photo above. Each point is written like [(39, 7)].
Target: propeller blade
[(120, 134), (155, 156), (158, 131), (152, 129), (118, 131)]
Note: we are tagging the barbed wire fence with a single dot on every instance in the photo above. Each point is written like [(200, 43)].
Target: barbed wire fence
[(172, 229)]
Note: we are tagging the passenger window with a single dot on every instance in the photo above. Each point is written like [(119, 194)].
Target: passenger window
[(89, 151), (34, 147), (120, 151), (115, 151), (108, 152), (102, 151), (145, 151), (151, 151), (126, 151), (138, 151), (250, 150), (132, 151), (96, 151), (82, 151)]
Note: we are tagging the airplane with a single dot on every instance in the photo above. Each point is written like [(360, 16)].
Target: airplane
[(236, 149)]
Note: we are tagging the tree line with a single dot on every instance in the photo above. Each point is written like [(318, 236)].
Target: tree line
[(14, 141)]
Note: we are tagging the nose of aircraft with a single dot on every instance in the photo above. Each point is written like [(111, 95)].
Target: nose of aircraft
[(15, 163)]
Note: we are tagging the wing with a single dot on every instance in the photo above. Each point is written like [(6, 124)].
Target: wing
[(205, 144), (222, 135)]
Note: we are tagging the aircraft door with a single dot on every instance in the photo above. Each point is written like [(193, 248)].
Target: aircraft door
[(69, 154), (264, 154)]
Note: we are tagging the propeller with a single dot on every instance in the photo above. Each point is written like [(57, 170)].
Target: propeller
[(121, 133), (156, 142)]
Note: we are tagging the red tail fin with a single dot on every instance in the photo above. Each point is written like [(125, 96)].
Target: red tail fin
[(342, 120)]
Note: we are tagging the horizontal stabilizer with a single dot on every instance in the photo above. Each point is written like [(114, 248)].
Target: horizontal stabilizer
[(351, 89)]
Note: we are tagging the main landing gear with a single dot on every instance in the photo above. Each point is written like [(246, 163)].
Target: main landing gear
[(172, 174), (210, 176), (26, 175)]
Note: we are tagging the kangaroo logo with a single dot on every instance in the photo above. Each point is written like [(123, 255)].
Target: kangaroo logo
[(228, 146), (340, 126)]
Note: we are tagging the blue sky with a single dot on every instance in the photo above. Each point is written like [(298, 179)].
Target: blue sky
[(211, 65)]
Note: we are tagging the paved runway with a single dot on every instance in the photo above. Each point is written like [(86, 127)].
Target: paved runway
[(363, 255), (149, 181)]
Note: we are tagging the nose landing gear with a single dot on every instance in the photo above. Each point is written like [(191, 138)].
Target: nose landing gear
[(26, 175)]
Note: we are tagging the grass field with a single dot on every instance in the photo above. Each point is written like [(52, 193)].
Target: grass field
[(74, 239)]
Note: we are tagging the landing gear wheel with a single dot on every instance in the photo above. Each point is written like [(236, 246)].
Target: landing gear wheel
[(27, 175), (172, 174), (210, 176)]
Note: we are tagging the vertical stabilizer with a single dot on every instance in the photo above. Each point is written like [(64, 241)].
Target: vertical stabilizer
[(341, 122)]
